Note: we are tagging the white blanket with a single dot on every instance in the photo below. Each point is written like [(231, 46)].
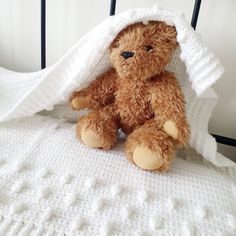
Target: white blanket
[(53, 185)]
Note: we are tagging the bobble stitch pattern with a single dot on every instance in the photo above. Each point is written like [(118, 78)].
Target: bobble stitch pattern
[(18, 187), (99, 204), (201, 212), (127, 212), (172, 203), (156, 221), (48, 214), (107, 228), (18, 207), (143, 197), (70, 199), (78, 224), (91, 183), (44, 193), (43, 173), (116, 190), (66, 179), (19, 166), (188, 229)]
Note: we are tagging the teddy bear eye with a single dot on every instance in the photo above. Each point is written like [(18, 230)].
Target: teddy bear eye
[(148, 48)]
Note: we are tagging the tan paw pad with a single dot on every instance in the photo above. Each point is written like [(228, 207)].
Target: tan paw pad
[(79, 103), (91, 138), (147, 159), (171, 129)]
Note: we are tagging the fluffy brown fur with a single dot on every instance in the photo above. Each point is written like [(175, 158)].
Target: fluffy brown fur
[(138, 95)]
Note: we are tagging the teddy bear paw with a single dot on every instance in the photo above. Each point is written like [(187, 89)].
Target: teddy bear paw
[(91, 138), (171, 129), (147, 159), (79, 103)]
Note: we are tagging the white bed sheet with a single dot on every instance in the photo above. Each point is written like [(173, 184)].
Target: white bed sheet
[(52, 184)]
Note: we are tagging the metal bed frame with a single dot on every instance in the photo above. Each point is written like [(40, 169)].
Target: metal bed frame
[(196, 9)]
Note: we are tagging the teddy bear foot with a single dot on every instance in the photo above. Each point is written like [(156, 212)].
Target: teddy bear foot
[(79, 103), (147, 159), (97, 129), (91, 138), (149, 148)]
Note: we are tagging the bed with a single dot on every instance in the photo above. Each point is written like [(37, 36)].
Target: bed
[(51, 184)]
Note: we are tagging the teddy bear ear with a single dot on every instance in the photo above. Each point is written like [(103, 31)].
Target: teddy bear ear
[(114, 44), (116, 41), (167, 33), (171, 35)]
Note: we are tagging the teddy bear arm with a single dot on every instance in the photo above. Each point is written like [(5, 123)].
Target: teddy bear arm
[(98, 93), (169, 108)]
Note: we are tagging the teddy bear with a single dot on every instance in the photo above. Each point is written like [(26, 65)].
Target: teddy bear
[(137, 95)]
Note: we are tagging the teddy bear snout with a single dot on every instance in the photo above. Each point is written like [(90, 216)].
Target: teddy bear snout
[(127, 54)]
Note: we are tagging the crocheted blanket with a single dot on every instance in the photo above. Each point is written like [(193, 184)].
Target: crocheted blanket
[(53, 185)]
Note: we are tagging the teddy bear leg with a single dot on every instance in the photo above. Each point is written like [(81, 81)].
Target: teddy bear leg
[(98, 129), (150, 148)]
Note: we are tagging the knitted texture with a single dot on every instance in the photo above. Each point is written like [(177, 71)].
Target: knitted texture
[(53, 185), (195, 67)]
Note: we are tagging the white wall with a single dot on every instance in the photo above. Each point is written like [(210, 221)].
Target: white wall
[(68, 20)]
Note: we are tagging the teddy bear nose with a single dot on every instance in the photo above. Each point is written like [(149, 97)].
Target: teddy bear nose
[(127, 54)]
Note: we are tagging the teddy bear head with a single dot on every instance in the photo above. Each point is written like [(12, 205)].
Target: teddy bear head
[(142, 50)]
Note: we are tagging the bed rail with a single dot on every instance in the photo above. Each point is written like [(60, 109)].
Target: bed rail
[(112, 7), (195, 14), (43, 33)]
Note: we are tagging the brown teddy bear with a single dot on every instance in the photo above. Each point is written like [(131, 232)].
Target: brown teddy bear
[(137, 95)]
